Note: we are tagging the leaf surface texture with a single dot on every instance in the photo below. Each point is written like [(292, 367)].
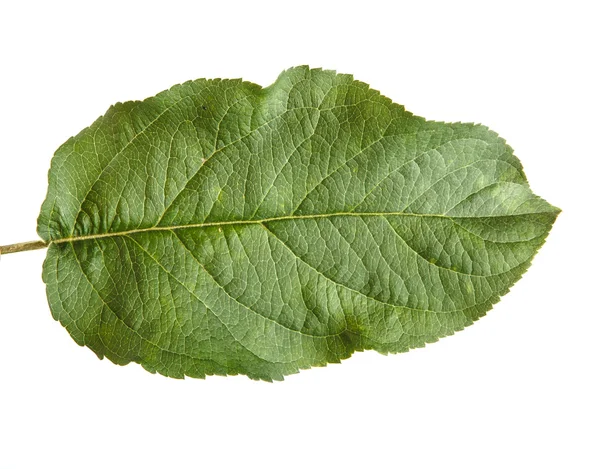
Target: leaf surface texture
[(224, 228)]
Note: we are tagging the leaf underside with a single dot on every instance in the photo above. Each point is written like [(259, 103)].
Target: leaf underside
[(224, 228)]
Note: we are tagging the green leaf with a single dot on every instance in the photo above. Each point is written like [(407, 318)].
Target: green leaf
[(224, 228)]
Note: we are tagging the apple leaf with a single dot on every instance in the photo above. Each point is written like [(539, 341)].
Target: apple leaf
[(224, 228)]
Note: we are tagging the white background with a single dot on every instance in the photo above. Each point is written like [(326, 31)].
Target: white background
[(519, 389)]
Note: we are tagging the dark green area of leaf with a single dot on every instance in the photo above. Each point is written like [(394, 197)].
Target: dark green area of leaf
[(224, 228)]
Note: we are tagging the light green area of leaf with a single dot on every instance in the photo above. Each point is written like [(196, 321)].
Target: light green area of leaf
[(224, 228)]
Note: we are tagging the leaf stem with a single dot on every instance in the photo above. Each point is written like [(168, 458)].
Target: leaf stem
[(20, 247)]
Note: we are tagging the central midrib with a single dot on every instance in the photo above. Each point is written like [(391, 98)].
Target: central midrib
[(243, 222)]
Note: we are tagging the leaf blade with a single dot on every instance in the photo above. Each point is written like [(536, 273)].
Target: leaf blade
[(222, 228)]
